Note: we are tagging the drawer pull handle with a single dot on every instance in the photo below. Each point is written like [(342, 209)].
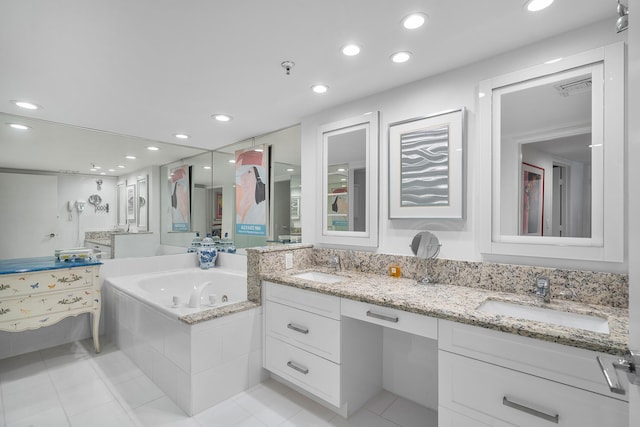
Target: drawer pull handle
[(300, 329), (393, 319), (295, 367), (530, 411), (615, 388)]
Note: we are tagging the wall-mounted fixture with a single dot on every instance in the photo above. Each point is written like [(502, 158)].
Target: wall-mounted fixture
[(99, 184), (622, 22), (287, 65)]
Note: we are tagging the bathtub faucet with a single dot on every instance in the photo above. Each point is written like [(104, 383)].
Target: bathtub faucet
[(196, 294)]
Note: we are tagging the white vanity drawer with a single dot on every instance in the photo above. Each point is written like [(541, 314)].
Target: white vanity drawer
[(325, 305), (569, 365), (470, 386), (391, 318), (317, 334), (313, 373)]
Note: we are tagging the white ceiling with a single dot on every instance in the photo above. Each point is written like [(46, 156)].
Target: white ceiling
[(151, 68)]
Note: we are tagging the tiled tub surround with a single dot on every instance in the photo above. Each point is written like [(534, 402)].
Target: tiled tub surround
[(196, 366), (457, 289), (197, 359)]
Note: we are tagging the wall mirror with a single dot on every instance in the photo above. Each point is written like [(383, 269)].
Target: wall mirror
[(349, 181), (66, 154), (556, 156)]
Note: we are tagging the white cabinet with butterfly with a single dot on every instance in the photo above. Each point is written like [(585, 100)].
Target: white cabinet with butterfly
[(38, 292)]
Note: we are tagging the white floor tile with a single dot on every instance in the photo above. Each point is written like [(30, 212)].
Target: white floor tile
[(362, 418), (227, 413), (73, 374), (29, 402), (107, 415), (163, 412), (409, 414), (379, 403), (85, 396), (70, 385), (137, 391), (54, 417)]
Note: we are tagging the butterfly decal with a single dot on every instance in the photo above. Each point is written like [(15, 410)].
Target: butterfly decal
[(35, 285), (21, 278), (43, 320), (87, 293), (96, 301), (25, 311), (52, 286)]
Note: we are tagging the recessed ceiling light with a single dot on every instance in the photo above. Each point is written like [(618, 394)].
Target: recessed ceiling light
[(152, 148), (341, 169), (181, 135), (400, 57), (206, 167), (121, 166), (18, 126), (26, 105), (351, 49), (232, 161), (290, 169), (536, 5), (222, 117), (112, 170), (258, 150), (97, 167), (413, 21), (103, 173), (130, 157), (93, 170), (319, 88)]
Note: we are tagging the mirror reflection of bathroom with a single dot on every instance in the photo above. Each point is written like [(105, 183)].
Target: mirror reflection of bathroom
[(546, 137), (126, 213), (346, 180)]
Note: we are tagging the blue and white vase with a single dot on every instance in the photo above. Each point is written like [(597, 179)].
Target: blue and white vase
[(207, 253)]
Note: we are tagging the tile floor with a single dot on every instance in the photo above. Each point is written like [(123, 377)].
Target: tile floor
[(69, 385)]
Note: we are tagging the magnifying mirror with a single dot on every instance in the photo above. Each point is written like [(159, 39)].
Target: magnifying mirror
[(425, 245)]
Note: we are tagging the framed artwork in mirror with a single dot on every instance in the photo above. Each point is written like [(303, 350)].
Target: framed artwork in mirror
[(425, 166), (131, 203), (532, 200), (295, 207), (143, 204)]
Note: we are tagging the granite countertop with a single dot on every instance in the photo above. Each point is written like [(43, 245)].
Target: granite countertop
[(460, 304), (104, 242), (27, 265)]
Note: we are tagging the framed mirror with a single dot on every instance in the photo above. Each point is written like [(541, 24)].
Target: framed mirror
[(349, 192), (143, 203), (553, 136)]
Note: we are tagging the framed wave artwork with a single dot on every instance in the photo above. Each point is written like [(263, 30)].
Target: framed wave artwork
[(426, 166)]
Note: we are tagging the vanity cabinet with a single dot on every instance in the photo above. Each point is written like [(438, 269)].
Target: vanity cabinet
[(39, 292), (101, 251), (302, 339), (499, 379)]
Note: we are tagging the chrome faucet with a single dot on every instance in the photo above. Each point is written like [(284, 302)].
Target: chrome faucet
[(335, 263), (543, 290), (196, 294)]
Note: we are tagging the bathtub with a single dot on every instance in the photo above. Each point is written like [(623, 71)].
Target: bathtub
[(197, 356), (159, 289)]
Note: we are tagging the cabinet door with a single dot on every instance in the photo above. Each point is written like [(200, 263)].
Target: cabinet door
[(472, 387)]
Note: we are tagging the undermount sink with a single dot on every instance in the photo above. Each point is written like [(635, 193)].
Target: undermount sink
[(546, 315), (319, 276)]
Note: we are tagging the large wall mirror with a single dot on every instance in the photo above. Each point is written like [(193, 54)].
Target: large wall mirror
[(349, 192), (554, 137)]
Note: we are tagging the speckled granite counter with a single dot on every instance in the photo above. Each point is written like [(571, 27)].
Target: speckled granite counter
[(214, 313), (460, 304)]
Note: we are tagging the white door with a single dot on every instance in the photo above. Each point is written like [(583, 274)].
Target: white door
[(28, 215), (634, 201)]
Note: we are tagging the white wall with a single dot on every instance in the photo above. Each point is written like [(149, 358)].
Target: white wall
[(450, 90)]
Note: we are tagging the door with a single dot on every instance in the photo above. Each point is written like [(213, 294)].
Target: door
[(28, 215)]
